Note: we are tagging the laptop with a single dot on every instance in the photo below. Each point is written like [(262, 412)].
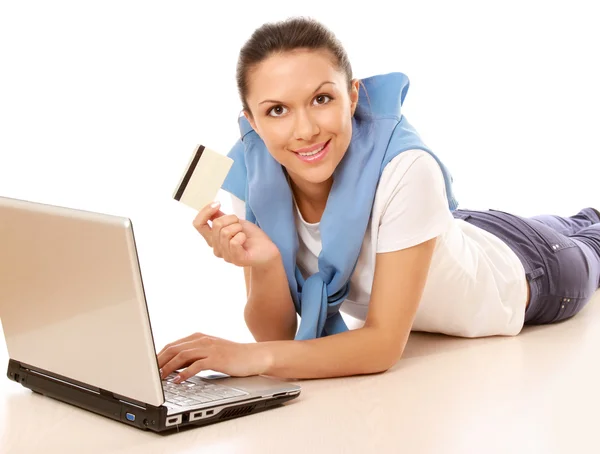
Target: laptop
[(77, 327)]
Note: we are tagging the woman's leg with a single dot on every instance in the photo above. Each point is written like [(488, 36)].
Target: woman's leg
[(581, 266), (590, 237), (575, 277), (570, 225)]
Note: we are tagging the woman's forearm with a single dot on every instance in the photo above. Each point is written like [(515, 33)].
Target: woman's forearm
[(355, 352), (270, 313)]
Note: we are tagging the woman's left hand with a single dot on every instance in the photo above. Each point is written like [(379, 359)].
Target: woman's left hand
[(200, 352)]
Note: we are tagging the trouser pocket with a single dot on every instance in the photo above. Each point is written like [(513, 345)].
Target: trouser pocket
[(553, 240)]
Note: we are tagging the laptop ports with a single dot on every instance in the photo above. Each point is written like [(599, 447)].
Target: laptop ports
[(173, 420), (196, 415)]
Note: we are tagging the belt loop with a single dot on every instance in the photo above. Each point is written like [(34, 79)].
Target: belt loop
[(538, 272)]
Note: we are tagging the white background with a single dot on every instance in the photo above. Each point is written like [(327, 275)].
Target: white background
[(102, 103)]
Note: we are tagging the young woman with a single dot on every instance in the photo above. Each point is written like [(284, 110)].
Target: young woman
[(341, 207)]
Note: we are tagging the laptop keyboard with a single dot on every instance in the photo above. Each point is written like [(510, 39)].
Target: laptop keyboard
[(196, 391)]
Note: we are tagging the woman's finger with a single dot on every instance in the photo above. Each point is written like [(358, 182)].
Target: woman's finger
[(169, 353), (189, 338), (217, 226), (227, 233), (221, 223), (180, 360), (208, 213), (236, 248), (194, 369)]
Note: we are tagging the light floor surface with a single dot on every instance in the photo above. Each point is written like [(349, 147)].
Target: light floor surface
[(534, 393)]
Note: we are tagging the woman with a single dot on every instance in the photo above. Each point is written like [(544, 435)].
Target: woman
[(340, 206)]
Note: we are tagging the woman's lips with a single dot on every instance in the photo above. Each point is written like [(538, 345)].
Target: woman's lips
[(315, 157)]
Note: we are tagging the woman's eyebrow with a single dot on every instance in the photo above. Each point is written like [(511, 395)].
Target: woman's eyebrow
[(316, 90)]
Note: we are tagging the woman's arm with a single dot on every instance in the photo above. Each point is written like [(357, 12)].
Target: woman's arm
[(269, 313), (398, 284), (415, 214), (397, 288)]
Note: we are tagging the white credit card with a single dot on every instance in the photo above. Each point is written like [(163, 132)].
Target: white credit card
[(203, 177)]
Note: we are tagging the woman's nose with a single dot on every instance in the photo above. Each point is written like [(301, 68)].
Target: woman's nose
[(305, 127)]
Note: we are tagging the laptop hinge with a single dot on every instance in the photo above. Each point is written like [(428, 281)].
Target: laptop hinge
[(76, 384), (105, 393), (60, 380), (125, 400)]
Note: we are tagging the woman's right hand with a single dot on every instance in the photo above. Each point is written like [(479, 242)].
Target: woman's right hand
[(235, 240)]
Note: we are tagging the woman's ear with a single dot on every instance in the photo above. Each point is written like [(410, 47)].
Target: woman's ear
[(354, 89), (248, 116)]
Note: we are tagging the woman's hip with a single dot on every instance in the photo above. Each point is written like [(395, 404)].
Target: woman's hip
[(556, 266)]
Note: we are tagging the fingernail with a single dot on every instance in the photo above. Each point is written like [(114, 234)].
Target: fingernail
[(215, 204), (177, 379)]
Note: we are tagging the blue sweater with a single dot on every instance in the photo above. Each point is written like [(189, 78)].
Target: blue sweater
[(379, 134)]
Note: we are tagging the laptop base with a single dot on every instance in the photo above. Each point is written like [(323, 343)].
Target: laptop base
[(141, 416)]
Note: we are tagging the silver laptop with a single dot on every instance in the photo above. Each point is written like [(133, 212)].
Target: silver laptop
[(76, 324)]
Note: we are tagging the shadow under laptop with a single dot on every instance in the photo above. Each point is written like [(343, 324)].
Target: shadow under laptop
[(34, 423), (32, 413)]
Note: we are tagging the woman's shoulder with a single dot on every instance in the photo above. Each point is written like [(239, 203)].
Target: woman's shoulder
[(410, 204), (412, 182), (413, 162), (410, 156)]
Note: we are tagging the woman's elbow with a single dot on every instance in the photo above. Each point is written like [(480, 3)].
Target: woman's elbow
[(387, 363), (386, 358)]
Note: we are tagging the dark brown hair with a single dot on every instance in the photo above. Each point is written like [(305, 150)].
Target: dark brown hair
[(284, 36)]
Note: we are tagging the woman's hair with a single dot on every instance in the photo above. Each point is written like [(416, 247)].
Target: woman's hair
[(288, 35)]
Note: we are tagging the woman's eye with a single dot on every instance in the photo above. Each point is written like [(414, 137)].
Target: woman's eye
[(278, 110), (322, 99)]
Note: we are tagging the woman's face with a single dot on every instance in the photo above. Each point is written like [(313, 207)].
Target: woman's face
[(301, 108)]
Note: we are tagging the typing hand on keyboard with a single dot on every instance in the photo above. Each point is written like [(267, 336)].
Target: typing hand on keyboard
[(200, 352)]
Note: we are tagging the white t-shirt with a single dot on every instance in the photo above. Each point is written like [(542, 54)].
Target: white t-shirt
[(476, 284)]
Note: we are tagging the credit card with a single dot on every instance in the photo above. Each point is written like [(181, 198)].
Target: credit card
[(203, 177)]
